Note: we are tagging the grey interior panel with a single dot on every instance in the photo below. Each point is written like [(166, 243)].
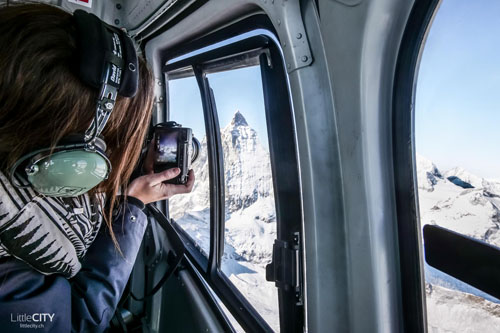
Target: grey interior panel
[(342, 104), (185, 308), (341, 58)]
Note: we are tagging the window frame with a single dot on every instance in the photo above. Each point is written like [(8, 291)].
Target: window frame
[(404, 166), (291, 307), (441, 244)]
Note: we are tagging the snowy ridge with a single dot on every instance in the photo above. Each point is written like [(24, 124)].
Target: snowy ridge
[(466, 177), (474, 212)]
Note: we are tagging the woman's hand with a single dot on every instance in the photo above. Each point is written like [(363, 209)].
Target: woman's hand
[(150, 188)]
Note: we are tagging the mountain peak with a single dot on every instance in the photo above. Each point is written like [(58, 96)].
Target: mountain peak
[(238, 119)]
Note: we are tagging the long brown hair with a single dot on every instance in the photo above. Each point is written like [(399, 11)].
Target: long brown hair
[(42, 100)]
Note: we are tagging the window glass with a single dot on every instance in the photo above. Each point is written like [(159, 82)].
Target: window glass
[(250, 213), (458, 161), (192, 211)]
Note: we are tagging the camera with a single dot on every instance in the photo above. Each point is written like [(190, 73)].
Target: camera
[(174, 147)]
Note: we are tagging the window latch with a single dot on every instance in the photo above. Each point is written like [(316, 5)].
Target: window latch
[(284, 268)]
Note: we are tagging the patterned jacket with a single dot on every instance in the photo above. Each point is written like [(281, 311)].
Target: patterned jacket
[(59, 264)]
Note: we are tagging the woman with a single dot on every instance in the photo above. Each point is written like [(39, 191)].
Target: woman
[(60, 268)]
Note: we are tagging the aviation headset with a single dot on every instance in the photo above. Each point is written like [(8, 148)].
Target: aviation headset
[(107, 61)]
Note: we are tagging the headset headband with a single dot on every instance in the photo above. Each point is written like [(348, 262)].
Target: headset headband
[(107, 61)]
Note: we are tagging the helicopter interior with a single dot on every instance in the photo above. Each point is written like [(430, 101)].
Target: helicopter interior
[(343, 241)]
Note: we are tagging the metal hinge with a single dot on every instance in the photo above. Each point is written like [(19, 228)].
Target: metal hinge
[(284, 269), (287, 19)]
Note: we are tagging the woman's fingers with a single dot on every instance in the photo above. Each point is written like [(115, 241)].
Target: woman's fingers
[(160, 177), (150, 188), (170, 189), (184, 188)]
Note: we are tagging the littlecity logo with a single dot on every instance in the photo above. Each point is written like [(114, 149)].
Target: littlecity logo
[(34, 320)]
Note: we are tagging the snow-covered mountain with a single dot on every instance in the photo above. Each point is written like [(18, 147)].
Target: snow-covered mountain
[(248, 192), (247, 166), (473, 211), (466, 203), (250, 221)]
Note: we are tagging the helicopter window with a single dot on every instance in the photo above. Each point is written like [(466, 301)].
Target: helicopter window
[(458, 178), (250, 211), (248, 245)]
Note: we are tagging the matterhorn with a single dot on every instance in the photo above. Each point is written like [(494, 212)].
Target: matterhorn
[(250, 214)]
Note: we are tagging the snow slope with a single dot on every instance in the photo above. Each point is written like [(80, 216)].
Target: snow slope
[(454, 311)]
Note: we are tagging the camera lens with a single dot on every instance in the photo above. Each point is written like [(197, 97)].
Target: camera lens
[(196, 149)]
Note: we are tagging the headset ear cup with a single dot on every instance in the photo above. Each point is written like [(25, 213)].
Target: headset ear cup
[(69, 173), (70, 169)]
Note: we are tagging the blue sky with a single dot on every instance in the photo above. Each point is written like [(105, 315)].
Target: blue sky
[(234, 90), (457, 103)]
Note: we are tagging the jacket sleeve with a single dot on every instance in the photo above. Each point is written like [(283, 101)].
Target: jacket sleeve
[(87, 302), (31, 301), (97, 288)]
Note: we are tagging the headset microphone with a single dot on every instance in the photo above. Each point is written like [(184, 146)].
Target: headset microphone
[(78, 163)]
